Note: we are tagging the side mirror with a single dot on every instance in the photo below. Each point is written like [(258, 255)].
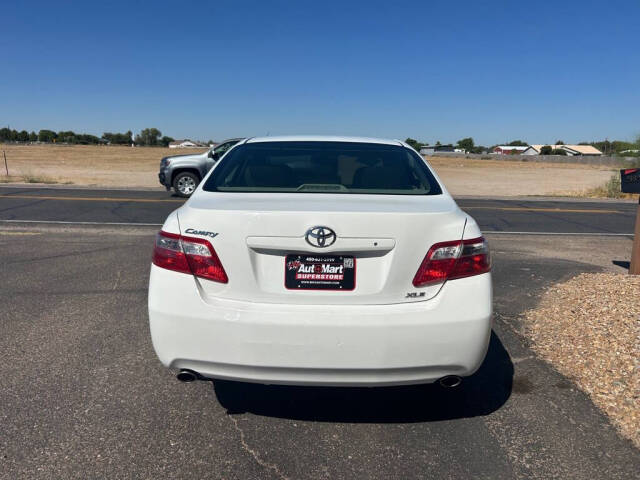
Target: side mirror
[(211, 154), (215, 156)]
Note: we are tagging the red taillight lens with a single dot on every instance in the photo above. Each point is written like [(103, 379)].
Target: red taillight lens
[(188, 255), (167, 253), (474, 259), (455, 259), (438, 263)]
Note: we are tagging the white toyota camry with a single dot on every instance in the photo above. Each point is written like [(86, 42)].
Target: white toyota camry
[(321, 261)]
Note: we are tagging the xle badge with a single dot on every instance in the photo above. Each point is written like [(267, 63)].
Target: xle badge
[(415, 294)]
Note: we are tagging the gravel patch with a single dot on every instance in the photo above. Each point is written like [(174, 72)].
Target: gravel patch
[(589, 329)]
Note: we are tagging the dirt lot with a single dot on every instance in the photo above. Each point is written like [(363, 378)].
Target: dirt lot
[(501, 178), (116, 166), (110, 166)]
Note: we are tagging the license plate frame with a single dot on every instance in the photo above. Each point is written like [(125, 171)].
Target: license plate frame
[(320, 272)]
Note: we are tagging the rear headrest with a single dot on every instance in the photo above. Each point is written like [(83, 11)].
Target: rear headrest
[(279, 176), (382, 177)]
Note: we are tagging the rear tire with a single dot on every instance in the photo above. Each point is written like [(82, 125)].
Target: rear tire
[(185, 183)]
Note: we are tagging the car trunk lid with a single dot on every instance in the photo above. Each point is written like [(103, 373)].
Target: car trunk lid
[(258, 235)]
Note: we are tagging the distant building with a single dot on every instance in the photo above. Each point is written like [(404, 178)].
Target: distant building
[(509, 150), (434, 149), (530, 151), (183, 144), (572, 150)]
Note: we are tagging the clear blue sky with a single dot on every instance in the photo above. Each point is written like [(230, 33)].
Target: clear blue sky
[(431, 70)]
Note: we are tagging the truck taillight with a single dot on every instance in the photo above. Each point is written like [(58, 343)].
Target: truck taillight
[(188, 255), (455, 259)]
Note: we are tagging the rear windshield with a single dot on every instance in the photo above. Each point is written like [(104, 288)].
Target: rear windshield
[(322, 167)]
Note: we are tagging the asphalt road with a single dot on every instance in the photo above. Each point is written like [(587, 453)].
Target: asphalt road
[(152, 207), (82, 394)]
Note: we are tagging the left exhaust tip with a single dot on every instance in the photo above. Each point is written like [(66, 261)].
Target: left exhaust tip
[(450, 381), (187, 376)]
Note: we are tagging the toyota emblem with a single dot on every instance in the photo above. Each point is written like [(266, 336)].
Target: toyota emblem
[(320, 237)]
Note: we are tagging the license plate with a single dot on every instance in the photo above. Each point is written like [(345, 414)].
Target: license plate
[(320, 272)]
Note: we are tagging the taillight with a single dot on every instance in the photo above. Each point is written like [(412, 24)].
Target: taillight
[(188, 255), (455, 259)]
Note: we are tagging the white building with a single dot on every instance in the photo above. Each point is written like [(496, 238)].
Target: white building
[(530, 151), (572, 150), (183, 144), (509, 150), (435, 149)]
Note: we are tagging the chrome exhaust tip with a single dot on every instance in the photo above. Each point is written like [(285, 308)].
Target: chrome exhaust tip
[(450, 381), (187, 376)]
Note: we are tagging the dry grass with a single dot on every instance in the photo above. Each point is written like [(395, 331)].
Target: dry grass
[(464, 176), (610, 189), (88, 164), (30, 178), (127, 167), (589, 329)]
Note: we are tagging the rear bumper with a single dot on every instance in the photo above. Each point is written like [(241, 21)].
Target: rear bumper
[(417, 342)]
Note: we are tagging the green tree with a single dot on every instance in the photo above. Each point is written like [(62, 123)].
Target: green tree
[(66, 137), (46, 136), (6, 134), (558, 151), (466, 144), (23, 136), (87, 139), (33, 136), (149, 136), (604, 146), (619, 146), (559, 142), (546, 150), (166, 141), (117, 138), (413, 143), (518, 143)]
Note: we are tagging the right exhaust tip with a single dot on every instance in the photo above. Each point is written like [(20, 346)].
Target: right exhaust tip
[(450, 381), (187, 376)]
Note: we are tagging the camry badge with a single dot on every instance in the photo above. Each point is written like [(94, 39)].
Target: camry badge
[(320, 237), (193, 231)]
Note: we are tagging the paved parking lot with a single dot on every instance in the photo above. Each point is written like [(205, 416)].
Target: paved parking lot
[(83, 396)]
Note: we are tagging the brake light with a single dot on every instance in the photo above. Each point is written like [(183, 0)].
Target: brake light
[(455, 259), (188, 255)]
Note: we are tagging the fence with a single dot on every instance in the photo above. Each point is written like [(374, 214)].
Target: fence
[(581, 159)]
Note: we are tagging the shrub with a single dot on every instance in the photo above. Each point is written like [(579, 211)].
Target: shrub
[(611, 189), (546, 150)]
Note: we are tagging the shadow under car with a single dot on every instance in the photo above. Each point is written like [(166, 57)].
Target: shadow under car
[(480, 394)]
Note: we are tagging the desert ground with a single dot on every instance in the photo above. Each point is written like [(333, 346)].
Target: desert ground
[(128, 167)]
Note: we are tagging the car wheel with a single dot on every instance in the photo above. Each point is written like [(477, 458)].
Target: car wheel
[(185, 183)]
